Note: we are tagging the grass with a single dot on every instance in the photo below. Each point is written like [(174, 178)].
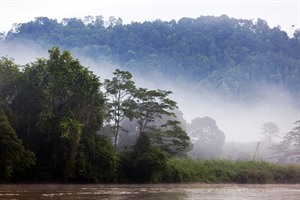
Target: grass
[(225, 171)]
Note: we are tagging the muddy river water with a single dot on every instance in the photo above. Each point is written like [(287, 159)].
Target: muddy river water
[(150, 191)]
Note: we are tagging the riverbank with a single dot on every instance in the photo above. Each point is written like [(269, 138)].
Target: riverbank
[(224, 171), (191, 171)]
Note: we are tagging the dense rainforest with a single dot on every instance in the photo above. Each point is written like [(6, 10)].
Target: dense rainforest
[(58, 125), (59, 122), (230, 56), (56, 122)]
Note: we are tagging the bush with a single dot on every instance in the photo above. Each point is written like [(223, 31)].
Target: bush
[(143, 164), (224, 171)]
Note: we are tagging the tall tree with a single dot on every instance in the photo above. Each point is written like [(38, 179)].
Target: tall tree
[(151, 107), (59, 101), (291, 140), (270, 132), (119, 91), (159, 135), (207, 138), (73, 105)]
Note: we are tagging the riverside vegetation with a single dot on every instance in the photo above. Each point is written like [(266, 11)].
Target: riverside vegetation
[(225, 171), (56, 125), (59, 122)]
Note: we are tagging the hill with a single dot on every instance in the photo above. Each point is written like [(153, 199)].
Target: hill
[(230, 56)]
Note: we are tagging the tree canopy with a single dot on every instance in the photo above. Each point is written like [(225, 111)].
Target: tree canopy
[(56, 108), (229, 55), (291, 140), (208, 139), (55, 114), (55, 111), (14, 157)]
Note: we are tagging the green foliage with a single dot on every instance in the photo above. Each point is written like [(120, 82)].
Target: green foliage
[(59, 113), (224, 171), (68, 105), (100, 161), (225, 54), (70, 128), (56, 109), (119, 92), (144, 163), (56, 102), (152, 105), (14, 157), (171, 138), (145, 108), (209, 171), (9, 74), (150, 109)]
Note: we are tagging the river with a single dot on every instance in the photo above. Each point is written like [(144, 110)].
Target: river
[(150, 192)]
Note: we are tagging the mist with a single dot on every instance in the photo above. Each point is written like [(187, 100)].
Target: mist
[(240, 121), (23, 52)]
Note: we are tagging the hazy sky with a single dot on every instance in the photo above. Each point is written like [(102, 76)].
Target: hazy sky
[(284, 13)]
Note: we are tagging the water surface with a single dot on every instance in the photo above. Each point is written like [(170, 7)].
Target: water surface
[(150, 191)]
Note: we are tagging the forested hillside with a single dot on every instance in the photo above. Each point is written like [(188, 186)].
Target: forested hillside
[(60, 122), (230, 56), (58, 125)]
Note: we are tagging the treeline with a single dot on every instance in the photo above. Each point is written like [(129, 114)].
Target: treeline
[(230, 56), (58, 126), (60, 123)]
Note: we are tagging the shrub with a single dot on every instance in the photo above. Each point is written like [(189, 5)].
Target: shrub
[(224, 171)]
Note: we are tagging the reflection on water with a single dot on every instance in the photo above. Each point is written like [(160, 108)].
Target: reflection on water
[(149, 191)]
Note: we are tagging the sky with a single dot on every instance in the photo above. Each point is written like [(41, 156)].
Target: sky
[(283, 13)]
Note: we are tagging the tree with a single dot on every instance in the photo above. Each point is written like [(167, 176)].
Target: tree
[(9, 87), (151, 106), (28, 102), (168, 134), (144, 163), (99, 159), (207, 138), (59, 101), (14, 157), (119, 91), (73, 106), (158, 134), (291, 140), (270, 132), (9, 74), (241, 51)]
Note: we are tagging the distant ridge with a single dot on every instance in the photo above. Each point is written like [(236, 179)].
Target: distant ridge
[(230, 56)]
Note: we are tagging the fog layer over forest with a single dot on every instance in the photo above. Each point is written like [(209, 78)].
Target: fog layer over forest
[(240, 121), (89, 101), (238, 76)]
